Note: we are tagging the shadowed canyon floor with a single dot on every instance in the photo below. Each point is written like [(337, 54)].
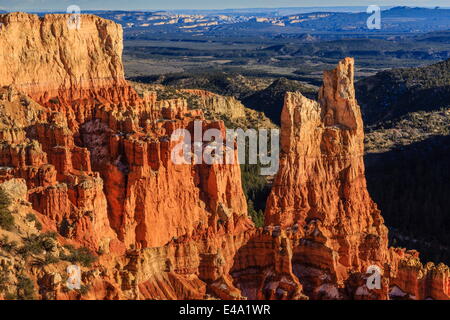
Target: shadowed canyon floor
[(87, 176)]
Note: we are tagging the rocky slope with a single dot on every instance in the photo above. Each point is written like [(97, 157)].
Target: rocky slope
[(410, 90), (226, 84), (90, 160), (408, 128), (271, 99), (320, 194), (214, 106)]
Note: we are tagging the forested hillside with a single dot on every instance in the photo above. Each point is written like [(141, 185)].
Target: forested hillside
[(407, 116), (391, 94)]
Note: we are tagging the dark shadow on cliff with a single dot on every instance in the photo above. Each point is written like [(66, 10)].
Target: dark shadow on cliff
[(411, 186), (391, 94), (262, 268)]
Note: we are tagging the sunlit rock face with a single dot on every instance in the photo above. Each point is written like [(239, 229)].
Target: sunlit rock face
[(96, 159), (92, 160), (320, 195), (47, 58)]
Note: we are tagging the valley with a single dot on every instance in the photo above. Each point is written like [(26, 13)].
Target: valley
[(90, 119), (402, 86)]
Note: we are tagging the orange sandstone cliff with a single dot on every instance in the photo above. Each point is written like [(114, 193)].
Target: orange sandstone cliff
[(90, 159), (320, 195), (63, 68)]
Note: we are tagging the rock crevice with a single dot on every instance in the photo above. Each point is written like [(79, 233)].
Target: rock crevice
[(94, 157)]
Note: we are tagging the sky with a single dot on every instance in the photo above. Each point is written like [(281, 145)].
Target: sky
[(61, 5)]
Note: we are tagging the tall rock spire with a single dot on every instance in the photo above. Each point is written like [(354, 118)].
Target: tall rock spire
[(93, 159), (320, 187), (320, 194)]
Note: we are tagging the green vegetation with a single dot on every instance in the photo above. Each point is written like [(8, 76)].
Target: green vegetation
[(64, 227), (10, 296), (6, 245), (199, 60), (411, 128), (37, 244), (84, 289), (256, 190), (389, 95), (32, 217), (48, 259), (410, 184), (4, 279), (257, 216), (223, 83), (54, 101), (264, 95), (6, 217), (271, 100), (25, 288), (81, 255), (407, 113)]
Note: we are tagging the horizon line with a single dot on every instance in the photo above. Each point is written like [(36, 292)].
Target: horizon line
[(220, 9)]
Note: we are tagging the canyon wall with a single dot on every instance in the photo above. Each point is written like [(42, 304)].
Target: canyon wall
[(320, 194), (64, 66), (94, 159), (320, 189)]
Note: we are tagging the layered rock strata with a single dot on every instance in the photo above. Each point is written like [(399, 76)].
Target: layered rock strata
[(320, 194), (65, 66), (92, 159), (96, 159)]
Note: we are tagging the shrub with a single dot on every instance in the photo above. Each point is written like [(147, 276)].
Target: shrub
[(84, 289), (25, 288), (50, 234), (48, 259), (54, 100), (6, 218), (36, 244), (64, 228), (256, 190), (6, 245), (32, 217), (10, 296), (256, 215), (3, 281), (32, 245), (81, 255)]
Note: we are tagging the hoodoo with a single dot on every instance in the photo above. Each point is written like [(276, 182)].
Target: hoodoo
[(86, 163), (320, 195)]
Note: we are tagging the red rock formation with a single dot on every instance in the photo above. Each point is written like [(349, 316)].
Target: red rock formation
[(320, 188), (320, 194), (96, 159), (66, 69), (94, 121), (217, 106)]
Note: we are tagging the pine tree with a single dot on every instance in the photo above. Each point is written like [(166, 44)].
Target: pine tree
[(6, 218)]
